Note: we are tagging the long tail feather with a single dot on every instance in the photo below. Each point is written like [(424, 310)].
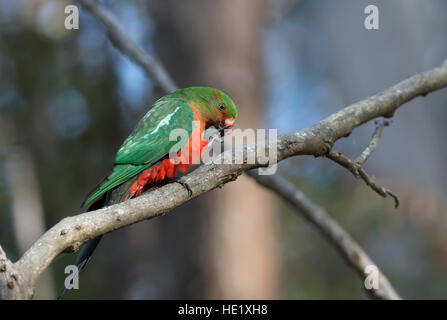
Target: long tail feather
[(83, 258), (119, 195), (88, 248)]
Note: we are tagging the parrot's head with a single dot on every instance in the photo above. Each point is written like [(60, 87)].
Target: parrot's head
[(224, 109), (214, 106), (218, 109)]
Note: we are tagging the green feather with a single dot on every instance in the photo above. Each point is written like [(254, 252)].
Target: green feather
[(148, 143)]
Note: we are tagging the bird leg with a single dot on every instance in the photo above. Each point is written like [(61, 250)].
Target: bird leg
[(185, 185)]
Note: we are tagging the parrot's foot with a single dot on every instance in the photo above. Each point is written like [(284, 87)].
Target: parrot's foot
[(186, 185)]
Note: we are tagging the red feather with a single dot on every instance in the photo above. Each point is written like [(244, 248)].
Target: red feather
[(166, 169)]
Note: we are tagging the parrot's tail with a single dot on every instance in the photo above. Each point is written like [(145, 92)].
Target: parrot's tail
[(81, 261), (88, 248)]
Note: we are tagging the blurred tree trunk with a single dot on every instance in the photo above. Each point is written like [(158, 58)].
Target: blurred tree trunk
[(27, 209), (218, 43)]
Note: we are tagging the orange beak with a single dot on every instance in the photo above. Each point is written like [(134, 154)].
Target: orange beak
[(229, 123)]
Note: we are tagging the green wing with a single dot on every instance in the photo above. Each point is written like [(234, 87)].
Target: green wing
[(148, 143)]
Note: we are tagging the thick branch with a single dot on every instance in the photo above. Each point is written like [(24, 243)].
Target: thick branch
[(348, 248), (9, 280)]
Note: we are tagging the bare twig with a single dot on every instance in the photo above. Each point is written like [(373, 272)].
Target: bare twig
[(348, 248), (355, 167), (361, 159)]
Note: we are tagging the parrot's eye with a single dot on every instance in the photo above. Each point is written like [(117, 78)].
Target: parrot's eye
[(222, 107)]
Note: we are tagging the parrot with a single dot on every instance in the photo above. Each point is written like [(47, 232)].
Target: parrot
[(143, 161)]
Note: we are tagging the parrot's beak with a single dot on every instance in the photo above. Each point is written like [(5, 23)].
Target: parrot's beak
[(226, 124), (229, 123)]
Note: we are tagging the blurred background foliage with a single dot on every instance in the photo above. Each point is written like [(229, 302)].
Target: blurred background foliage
[(71, 98)]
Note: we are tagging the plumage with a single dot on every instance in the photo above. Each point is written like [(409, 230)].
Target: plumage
[(143, 158), (149, 141)]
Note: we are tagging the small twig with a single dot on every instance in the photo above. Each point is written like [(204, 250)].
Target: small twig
[(349, 249), (384, 192), (361, 159), (344, 161), (355, 167)]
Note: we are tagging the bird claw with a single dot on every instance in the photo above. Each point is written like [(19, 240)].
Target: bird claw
[(186, 186), (222, 130), (215, 138)]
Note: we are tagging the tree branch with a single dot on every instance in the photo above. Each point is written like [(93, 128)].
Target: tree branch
[(348, 248), (128, 47), (361, 159), (355, 167), (316, 140)]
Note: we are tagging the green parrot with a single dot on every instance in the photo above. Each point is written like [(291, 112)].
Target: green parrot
[(143, 161)]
